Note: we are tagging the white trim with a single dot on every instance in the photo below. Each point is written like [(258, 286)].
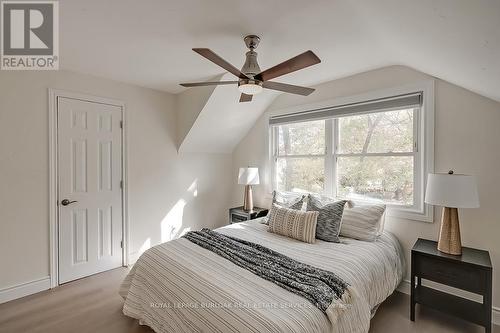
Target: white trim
[(404, 287), (53, 94), (53, 243), (331, 136), (24, 289), (126, 228), (424, 135)]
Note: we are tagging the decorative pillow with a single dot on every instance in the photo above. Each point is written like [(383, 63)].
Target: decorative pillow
[(292, 201), (329, 218), (362, 222), (381, 224), (354, 203), (293, 223)]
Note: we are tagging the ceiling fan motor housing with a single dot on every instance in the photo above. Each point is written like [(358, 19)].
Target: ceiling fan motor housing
[(242, 82), (251, 66), (252, 41)]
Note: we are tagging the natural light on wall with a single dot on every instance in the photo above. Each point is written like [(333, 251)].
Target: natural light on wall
[(193, 188), (145, 246), (172, 223)]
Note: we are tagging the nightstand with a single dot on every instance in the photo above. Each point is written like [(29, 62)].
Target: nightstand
[(472, 271), (237, 214)]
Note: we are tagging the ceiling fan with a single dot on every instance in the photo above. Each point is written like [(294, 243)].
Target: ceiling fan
[(251, 80)]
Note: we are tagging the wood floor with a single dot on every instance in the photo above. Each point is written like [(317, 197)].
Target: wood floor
[(93, 305)]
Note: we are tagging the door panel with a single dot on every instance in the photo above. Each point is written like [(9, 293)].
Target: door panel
[(105, 232), (80, 236), (79, 165), (105, 166), (89, 168)]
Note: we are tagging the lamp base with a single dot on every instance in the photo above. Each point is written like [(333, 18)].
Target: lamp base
[(449, 234), (248, 199)]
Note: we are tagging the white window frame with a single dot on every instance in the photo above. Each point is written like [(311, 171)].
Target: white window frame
[(423, 151), (275, 152)]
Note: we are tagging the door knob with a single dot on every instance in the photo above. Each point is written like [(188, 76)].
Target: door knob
[(66, 202)]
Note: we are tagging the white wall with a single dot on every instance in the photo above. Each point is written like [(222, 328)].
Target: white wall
[(159, 177), (467, 140), (189, 105), (212, 120)]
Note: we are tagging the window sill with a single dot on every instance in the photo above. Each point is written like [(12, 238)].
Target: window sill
[(427, 215)]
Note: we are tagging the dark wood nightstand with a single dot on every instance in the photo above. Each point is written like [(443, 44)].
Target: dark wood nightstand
[(237, 214), (472, 271)]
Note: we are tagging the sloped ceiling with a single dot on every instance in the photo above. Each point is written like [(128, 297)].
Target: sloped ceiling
[(148, 43), (221, 122)]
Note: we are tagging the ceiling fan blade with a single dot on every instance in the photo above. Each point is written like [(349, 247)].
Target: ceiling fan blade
[(245, 98), (201, 84), (301, 61), (213, 57), (289, 88)]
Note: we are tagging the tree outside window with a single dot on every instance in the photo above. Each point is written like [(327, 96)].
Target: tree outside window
[(372, 156)]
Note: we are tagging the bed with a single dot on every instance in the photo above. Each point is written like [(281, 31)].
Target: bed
[(179, 286)]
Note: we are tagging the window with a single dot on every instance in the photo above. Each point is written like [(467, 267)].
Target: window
[(375, 157), (301, 156), (372, 155)]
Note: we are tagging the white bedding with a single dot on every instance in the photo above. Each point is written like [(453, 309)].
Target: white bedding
[(180, 287)]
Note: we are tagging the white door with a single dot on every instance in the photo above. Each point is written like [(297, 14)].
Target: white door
[(89, 191)]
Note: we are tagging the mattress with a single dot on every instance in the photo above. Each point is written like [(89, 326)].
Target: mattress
[(180, 287)]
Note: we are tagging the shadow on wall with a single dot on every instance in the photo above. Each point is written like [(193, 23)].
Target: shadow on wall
[(171, 226)]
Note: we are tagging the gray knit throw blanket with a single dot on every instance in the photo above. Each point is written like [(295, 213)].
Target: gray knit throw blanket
[(322, 288)]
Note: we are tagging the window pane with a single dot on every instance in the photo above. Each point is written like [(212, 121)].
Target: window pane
[(300, 174), (382, 132), (306, 138), (388, 178)]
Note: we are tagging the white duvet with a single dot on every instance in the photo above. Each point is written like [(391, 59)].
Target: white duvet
[(180, 287)]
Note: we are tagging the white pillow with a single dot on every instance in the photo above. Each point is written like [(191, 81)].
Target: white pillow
[(354, 203), (363, 222), (289, 200), (382, 223)]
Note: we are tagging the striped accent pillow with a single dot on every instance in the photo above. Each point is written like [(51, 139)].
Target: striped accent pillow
[(329, 218), (362, 222), (293, 223)]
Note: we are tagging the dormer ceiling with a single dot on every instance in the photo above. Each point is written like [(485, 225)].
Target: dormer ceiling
[(148, 43), (212, 120)]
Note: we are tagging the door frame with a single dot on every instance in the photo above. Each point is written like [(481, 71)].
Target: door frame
[(53, 95)]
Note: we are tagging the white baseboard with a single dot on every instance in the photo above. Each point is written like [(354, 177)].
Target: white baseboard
[(495, 315), (24, 289), (404, 287)]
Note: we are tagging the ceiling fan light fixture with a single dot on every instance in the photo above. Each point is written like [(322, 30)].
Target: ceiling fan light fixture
[(251, 80), (250, 87)]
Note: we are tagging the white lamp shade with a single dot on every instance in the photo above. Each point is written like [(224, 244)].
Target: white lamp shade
[(452, 190), (248, 176)]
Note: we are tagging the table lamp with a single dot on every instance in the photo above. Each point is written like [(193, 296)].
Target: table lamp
[(248, 177), (451, 191)]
